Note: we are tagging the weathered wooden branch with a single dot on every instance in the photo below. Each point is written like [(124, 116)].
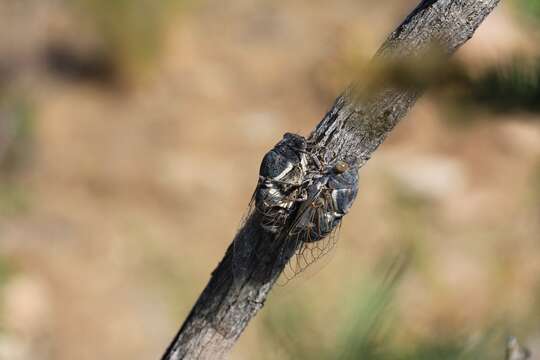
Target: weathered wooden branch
[(353, 129)]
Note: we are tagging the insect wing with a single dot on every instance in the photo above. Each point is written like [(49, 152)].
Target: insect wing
[(271, 221), (315, 231), (309, 253), (315, 240)]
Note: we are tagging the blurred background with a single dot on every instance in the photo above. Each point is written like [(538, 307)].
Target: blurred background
[(131, 132)]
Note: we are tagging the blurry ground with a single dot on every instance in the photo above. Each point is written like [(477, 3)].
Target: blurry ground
[(125, 174)]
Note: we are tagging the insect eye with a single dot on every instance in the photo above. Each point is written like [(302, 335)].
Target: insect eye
[(341, 167)]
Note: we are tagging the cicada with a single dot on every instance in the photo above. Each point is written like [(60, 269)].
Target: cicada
[(301, 201)]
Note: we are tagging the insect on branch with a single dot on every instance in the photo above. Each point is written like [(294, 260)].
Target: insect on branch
[(307, 185)]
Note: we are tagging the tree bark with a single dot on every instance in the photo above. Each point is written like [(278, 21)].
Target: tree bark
[(352, 129)]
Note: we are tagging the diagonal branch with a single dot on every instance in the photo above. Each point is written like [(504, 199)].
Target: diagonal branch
[(353, 129)]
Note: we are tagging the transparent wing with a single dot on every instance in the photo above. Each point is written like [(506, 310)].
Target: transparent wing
[(313, 234), (244, 250), (307, 254), (248, 212)]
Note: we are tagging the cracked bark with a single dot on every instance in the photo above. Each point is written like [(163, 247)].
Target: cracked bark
[(353, 129)]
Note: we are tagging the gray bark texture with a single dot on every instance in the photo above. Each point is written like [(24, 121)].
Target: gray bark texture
[(352, 129)]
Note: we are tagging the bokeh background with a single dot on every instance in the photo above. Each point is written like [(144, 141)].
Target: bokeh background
[(131, 133)]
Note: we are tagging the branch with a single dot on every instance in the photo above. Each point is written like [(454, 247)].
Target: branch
[(351, 130)]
